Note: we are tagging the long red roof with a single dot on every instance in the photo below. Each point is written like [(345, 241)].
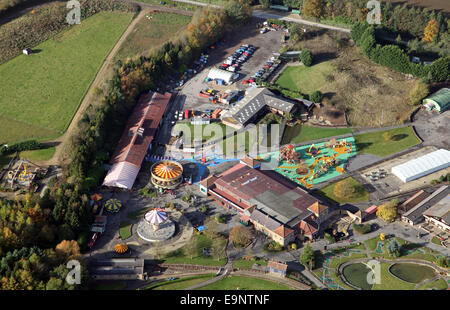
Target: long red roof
[(147, 115)]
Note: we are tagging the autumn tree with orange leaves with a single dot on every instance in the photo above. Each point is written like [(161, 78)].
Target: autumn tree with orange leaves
[(431, 31)]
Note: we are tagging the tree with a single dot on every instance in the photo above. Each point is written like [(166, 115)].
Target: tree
[(440, 69), (306, 57), (393, 248), (316, 96), (344, 189), (241, 236), (307, 257), (388, 211), (313, 8), (265, 3), (68, 249), (191, 248), (217, 248), (419, 92), (431, 31), (329, 238), (238, 11)]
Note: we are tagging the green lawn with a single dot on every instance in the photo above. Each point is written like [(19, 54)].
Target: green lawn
[(303, 133), (372, 243), (39, 155), (305, 79), (125, 230), (152, 32), (360, 195), (179, 257), (180, 284), (248, 264), (42, 92), (244, 283), (374, 143), (335, 262), (439, 284), (436, 240)]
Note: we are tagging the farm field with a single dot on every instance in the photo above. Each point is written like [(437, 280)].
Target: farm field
[(431, 4), (374, 143), (42, 92), (152, 31), (305, 79)]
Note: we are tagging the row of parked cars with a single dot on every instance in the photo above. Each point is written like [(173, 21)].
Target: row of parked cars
[(265, 68), (241, 55)]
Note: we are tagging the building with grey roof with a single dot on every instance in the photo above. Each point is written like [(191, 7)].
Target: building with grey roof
[(256, 102), (439, 214), (416, 214)]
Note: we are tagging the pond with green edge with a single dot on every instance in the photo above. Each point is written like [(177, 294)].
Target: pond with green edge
[(356, 275), (413, 273)]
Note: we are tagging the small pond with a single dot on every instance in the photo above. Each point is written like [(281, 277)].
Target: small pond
[(356, 274)]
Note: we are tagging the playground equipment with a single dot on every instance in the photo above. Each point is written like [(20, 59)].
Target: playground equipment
[(313, 150), (382, 237), (289, 154)]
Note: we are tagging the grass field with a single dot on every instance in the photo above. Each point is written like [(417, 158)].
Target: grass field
[(439, 284), (305, 79), (179, 257), (360, 195), (244, 283), (247, 264), (374, 143), (304, 133), (39, 155), (151, 33), (42, 92)]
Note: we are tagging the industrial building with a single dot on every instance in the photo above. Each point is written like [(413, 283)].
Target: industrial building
[(438, 198), (439, 101), (136, 140), (256, 103), (422, 166), (274, 205)]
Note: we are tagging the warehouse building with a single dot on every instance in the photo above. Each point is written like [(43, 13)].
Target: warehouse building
[(439, 101), (422, 166), (136, 140), (256, 103), (274, 205)]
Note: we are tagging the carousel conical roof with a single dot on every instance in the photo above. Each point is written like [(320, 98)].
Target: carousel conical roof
[(156, 216), (167, 170)]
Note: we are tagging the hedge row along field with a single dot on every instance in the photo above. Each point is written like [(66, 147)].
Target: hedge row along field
[(45, 89)]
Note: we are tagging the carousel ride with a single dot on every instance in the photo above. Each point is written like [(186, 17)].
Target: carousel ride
[(156, 226), (166, 174)]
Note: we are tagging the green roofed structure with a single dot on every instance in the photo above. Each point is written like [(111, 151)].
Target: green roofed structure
[(439, 101)]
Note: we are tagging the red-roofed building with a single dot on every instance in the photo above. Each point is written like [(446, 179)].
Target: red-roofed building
[(275, 206), (136, 140)]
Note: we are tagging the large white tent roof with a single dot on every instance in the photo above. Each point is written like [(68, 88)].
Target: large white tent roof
[(423, 165), (121, 175), (216, 73)]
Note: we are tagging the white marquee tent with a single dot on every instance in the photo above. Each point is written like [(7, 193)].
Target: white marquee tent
[(216, 73), (422, 166)]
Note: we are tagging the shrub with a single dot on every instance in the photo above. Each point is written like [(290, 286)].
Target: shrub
[(420, 91), (220, 218), (147, 192), (316, 96), (362, 228), (306, 57), (21, 146), (387, 136), (273, 246), (442, 261), (329, 238)]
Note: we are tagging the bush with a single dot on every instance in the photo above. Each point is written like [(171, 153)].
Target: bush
[(362, 228), (316, 96), (419, 92), (387, 136), (147, 192), (329, 238), (21, 146), (442, 262), (220, 218), (306, 57), (273, 246)]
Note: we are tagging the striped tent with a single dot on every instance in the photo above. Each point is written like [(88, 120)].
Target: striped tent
[(156, 216), (113, 205), (167, 171)]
